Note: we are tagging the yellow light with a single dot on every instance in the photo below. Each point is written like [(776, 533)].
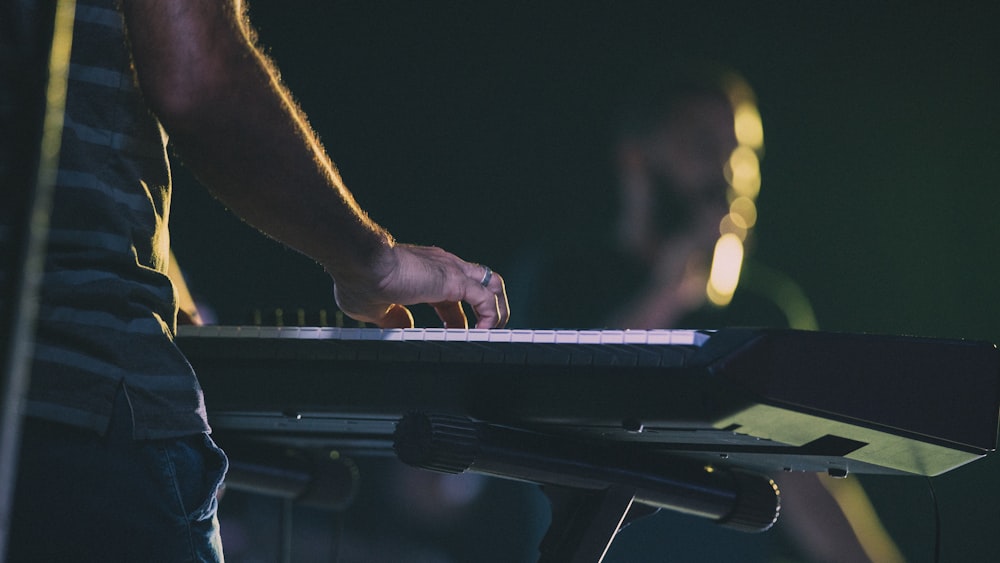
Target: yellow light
[(749, 128), (743, 172), (725, 273), (744, 212), (729, 226)]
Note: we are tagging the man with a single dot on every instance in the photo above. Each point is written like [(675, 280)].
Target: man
[(647, 262), (647, 266), (116, 460), (675, 138)]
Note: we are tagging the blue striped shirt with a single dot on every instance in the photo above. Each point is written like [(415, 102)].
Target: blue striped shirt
[(108, 311)]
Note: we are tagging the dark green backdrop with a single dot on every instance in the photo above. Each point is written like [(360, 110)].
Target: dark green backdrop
[(480, 127)]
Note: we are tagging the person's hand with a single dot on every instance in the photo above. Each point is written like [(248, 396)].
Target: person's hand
[(424, 274)]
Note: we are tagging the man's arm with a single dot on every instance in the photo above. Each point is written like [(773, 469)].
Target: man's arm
[(239, 130)]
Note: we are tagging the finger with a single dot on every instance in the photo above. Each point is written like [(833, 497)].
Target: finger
[(503, 307), (489, 299), (500, 306), (485, 304), (451, 314), (396, 316), (487, 315)]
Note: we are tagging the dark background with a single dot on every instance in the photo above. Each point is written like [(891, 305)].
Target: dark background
[(481, 127)]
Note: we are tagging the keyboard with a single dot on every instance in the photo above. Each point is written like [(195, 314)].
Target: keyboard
[(761, 399)]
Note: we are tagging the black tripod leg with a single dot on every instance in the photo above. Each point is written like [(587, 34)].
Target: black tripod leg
[(583, 523)]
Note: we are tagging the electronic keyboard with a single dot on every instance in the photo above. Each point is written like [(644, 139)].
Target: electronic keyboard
[(762, 399)]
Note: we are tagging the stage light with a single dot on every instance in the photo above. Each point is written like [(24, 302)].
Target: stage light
[(749, 128), (726, 265), (743, 172), (744, 212), (729, 226)]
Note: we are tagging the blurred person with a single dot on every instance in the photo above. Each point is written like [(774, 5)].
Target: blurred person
[(117, 463), (651, 255), (648, 265)]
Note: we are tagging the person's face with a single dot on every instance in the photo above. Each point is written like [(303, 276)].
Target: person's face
[(690, 149)]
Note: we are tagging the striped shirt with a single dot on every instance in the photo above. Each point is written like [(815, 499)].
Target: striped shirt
[(107, 310)]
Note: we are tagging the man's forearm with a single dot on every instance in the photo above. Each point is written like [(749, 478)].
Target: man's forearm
[(237, 128)]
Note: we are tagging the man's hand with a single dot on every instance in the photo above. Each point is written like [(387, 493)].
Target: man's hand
[(425, 274)]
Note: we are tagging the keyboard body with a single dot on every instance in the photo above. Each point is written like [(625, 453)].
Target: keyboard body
[(762, 399)]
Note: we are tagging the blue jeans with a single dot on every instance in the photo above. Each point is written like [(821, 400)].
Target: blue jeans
[(84, 497)]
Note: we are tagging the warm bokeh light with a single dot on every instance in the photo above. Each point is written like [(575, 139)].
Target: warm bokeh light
[(726, 265), (744, 212), (729, 226), (743, 172), (749, 128)]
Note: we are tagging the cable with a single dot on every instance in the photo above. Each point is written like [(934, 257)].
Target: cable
[(937, 520), (339, 518)]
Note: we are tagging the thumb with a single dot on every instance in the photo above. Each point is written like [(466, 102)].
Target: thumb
[(396, 316)]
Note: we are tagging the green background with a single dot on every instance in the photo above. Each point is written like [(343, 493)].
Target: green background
[(481, 127)]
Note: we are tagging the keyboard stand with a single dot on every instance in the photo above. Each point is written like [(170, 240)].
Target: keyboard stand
[(594, 490), (584, 523)]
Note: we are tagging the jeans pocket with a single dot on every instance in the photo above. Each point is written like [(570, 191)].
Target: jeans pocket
[(198, 467), (216, 465)]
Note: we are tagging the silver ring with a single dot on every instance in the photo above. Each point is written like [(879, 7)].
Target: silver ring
[(486, 277)]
